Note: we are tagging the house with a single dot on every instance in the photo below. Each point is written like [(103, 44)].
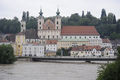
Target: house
[(51, 47), (106, 43), (34, 49), (86, 51)]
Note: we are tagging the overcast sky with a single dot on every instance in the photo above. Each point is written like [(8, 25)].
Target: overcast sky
[(11, 8)]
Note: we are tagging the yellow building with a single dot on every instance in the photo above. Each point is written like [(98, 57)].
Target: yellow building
[(66, 43), (19, 41)]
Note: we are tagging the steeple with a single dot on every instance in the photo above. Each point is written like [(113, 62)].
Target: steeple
[(58, 12), (41, 13)]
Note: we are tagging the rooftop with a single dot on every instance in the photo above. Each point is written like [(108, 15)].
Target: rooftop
[(79, 30), (86, 48)]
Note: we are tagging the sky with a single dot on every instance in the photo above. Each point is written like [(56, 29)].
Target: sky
[(11, 8)]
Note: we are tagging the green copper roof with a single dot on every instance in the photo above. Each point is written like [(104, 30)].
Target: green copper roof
[(74, 40)]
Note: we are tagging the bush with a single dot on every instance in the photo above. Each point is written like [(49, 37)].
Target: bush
[(6, 54), (110, 71)]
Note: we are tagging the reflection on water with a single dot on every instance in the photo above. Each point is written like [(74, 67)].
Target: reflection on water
[(48, 71)]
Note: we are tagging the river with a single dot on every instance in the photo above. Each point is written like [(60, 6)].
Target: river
[(23, 70)]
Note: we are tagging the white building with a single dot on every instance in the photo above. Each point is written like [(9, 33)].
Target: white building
[(33, 50), (108, 52), (86, 51), (106, 43), (51, 45)]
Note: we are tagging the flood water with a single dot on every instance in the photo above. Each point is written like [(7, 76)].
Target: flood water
[(23, 70)]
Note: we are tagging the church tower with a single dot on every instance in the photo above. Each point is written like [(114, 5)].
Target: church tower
[(58, 20), (40, 20), (23, 22)]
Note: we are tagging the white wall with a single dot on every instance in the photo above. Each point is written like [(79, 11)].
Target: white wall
[(51, 47), (37, 50)]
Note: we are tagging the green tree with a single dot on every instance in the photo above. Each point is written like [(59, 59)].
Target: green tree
[(6, 54), (110, 71), (103, 16), (110, 18)]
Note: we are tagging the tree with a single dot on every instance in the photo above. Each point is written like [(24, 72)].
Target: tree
[(114, 20), (110, 18), (103, 16), (110, 71), (118, 26), (6, 54), (66, 52), (31, 23), (83, 14)]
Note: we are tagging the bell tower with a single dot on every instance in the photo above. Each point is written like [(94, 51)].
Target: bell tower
[(23, 22), (40, 20), (58, 20)]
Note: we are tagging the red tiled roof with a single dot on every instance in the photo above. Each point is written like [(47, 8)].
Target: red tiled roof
[(51, 42), (79, 30), (84, 48), (106, 40)]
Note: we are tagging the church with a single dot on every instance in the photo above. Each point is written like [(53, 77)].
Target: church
[(46, 30), (51, 36)]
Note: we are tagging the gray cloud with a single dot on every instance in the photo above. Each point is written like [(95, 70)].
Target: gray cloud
[(11, 8)]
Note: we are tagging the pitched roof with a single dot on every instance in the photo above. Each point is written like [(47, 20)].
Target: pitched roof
[(106, 40), (31, 34), (79, 30), (85, 48), (51, 42)]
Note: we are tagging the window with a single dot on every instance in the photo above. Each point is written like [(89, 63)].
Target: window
[(66, 37), (57, 27), (85, 36), (80, 37), (48, 36), (48, 27), (39, 36), (70, 37), (75, 37), (57, 36), (40, 23), (44, 37), (57, 22), (53, 37)]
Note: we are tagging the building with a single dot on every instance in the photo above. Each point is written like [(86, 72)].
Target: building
[(108, 51), (19, 41), (49, 30), (86, 51), (51, 47), (106, 43), (50, 34), (34, 49), (78, 36)]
